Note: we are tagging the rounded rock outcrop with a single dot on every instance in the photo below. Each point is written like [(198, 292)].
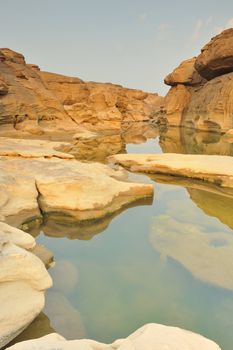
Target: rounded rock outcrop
[(216, 57), (185, 74)]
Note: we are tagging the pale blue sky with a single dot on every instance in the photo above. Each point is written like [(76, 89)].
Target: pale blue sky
[(130, 42)]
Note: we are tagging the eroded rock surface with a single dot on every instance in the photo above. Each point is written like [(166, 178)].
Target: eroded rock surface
[(213, 169), (37, 102), (23, 280), (185, 74), (151, 336), (202, 89), (216, 57), (61, 185)]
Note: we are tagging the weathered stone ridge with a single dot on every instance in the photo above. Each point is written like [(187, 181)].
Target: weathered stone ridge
[(36, 102), (216, 57)]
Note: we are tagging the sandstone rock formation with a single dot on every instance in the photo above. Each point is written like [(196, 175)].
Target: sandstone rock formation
[(216, 57), (199, 167), (196, 103), (31, 183), (185, 74), (36, 102), (151, 336), (100, 106), (23, 280)]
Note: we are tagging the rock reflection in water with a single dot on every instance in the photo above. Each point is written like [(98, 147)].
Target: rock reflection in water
[(38, 328), (64, 317), (96, 148), (183, 140), (139, 132), (59, 225), (211, 199), (214, 204)]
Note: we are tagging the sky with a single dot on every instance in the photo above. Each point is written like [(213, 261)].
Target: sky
[(135, 43)]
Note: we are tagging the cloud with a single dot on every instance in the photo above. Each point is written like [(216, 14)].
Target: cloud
[(201, 26), (228, 24), (162, 31), (142, 17), (209, 20), (197, 30)]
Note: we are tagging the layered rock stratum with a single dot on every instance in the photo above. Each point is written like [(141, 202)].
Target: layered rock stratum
[(37, 102), (196, 167), (201, 94)]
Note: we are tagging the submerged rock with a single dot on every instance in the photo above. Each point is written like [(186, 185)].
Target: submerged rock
[(149, 337)]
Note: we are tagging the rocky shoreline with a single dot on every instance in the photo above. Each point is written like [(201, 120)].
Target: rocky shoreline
[(56, 133)]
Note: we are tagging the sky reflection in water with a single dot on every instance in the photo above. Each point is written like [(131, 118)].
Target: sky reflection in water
[(170, 262)]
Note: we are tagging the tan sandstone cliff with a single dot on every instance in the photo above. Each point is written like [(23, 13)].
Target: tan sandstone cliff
[(34, 101), (201, 94)]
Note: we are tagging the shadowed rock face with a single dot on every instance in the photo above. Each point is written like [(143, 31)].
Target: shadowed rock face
[(210, 108), (202, 88), (36, 102), (216, 57), (185, 74)]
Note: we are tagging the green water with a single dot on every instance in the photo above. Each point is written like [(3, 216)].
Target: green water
[(170, 262)]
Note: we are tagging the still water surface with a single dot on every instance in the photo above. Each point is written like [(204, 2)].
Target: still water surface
[(169, 262)]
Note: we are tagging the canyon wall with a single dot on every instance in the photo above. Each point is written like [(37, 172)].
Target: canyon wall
[(201, 94), (36, 102)]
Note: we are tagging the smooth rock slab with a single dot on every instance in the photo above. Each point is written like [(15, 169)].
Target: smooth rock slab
[(85, 190), (20, 304), (16, 236), (17, 264), (211, 168), (28, 148), (23, 279), (149, 337)]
